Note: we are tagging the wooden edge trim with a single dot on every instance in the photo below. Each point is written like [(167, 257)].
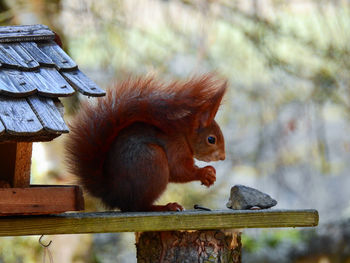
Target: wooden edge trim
[(44, 199), (107, 222)]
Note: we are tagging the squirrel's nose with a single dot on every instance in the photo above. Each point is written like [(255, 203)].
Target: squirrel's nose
[(222, 156)]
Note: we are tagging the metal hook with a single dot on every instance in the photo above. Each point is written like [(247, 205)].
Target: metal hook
[(44, 244)]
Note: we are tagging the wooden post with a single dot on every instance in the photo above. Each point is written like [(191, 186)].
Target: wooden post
[(15, 163), (189, 246)]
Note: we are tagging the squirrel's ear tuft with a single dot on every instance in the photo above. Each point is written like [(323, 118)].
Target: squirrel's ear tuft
[(211, 107)]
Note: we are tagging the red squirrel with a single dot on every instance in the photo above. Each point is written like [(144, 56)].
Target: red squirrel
[(127, 146)]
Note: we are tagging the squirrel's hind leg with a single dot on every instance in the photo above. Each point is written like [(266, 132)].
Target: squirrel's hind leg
[(159, 171), (138, 174)]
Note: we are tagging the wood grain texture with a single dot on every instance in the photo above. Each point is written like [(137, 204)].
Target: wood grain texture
[(7, 60), (213, 246), (19, 55), (49, 116), (39, 200), (37, 54), (14, 83), (23, 161), (18, 117), (25, 33), (83, 84), (49, 83), (58, 56), (105, 222)]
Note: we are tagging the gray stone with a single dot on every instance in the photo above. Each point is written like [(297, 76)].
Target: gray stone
[(243, 198)]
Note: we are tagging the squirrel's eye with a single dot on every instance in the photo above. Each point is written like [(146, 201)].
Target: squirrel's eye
[(211, 139)]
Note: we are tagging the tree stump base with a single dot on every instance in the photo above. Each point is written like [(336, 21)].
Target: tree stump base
[(189, 246)]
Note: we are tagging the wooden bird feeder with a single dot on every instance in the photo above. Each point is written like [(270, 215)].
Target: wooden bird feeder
[(34, 73)]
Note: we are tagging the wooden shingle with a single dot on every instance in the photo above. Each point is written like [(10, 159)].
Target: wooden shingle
[(33, 49), (82, 83), (49, 116), (49, 83), (18, 117), (25, 33), (34, 72), (61, 60), (14, 84), (18, 56)]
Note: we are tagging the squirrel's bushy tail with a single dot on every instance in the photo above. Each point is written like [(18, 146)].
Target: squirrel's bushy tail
[(171, 108)]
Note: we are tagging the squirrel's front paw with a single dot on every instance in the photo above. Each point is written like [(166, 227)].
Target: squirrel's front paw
[(174, 207), (207, 175)]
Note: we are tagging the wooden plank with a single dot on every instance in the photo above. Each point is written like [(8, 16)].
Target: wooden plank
[(25, 33), (106, 222), (50, 83), (15, 84), (23, 162), (58, 56), (39, 200), (83, 84), (37, 54), (18, 54), (18, 117), (49, 116)]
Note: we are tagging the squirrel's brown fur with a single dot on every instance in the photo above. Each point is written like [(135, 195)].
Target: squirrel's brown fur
[(128, 145)]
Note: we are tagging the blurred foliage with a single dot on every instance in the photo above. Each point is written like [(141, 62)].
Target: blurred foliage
[(285, 117), (271, 239), (327, 243), (20, 249)]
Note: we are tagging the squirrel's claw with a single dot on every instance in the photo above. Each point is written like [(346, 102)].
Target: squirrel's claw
[(207, 175), (174, 207)]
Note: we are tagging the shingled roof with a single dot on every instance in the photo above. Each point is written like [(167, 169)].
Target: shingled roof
[(34, 73)]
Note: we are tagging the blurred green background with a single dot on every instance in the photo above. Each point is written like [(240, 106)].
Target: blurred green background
[(286, 116)]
